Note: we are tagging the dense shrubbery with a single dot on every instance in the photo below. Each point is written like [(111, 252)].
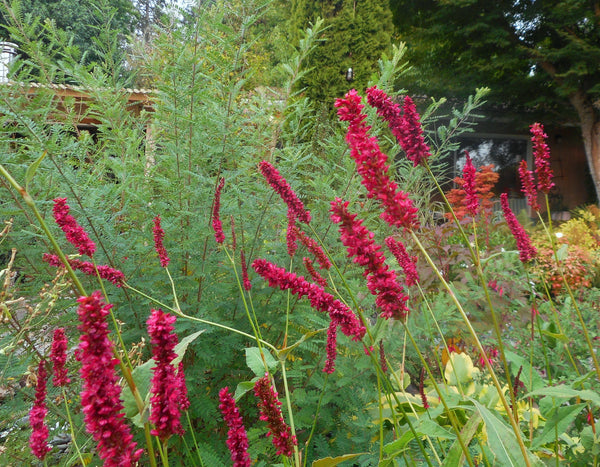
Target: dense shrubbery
[(482, 360)]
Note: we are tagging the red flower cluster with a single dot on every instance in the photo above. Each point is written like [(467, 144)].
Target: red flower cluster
[(310, 267), (404, 123), (37, 414), (469, 173), (165, 411), (100, 396), (381, 281), (371, 164), (237, 439), (283, 189), (291, 235), (73, 231), (313, 246), (245, 279), (528, 185), (105, 272), (271, 413), (406, 262), (541, 154), (216, 216), (331, 348), (58, 355), (159, 234), (526, 250)]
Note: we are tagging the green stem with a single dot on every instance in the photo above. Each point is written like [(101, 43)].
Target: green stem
[(288, 403)]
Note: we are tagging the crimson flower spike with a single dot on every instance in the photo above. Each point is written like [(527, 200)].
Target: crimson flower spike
[(469, 173), (406, 262), (381, 280), (283, 189), (58, 355), (528, 185), (38, 441), (104, 271), (526, 250), (74, 233), (216, 215), (159, 235), (237, 438), (541, 155), (371, 164)]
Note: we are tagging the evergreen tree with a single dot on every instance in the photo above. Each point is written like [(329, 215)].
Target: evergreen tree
[(357, 33)]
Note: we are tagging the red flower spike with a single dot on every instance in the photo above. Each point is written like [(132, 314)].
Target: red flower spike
[(268, 403), (58, 355), (526, 250), (165, 408), (469, 173), (283, 189), (100, 395), (372, 165), (291, 235), (237, 439), (245, 279), (414, 144), (389, 111), (313, 246), (159, 234), (422, 389), (38, 441), (407, 263), (184, 401), (308, 264), (331, 348), (216, 214), (528, 185), (105, 272), (541, 155), (74, 233), (381, 281)]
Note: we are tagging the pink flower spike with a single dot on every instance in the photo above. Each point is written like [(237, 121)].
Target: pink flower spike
[(159, 235), (268, 403), (100, 395), (184, 401), (73, 231), (407, 263), (526, 250), (38, 441), (313, 246), (245, 279), (414, 144), (381, 281), (469, 173), (165, 408), (283, 189), (308, 264), (216, 215), (389, 111), (291, 235), (541, 154), (331, 348), (237, 439), (528, 185), (105, 272), (58, 355)]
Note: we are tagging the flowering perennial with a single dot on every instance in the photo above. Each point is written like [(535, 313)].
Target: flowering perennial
[(184, 401), (37, 414), (73, 231), (407, 263), (291, 235), (165, 411), (100, 395), (58, 355), (216, 216), (526, 250), (372, 165), (283, 189), (310, 267), (313, 246), (159, 234), (528, 185), (268, 403), (245, 279), (331, 348), (541, 154), (105, 272), (381, 281), (237, 439), (469, 173)]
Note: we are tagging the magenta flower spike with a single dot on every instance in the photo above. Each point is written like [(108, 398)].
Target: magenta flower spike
[(159, 235), (381, 280), (310, 267), (58, 355), (105, 272), (313, 246), (526, 250), (406, 262), (331, 349), (414, 144), (100, 395), (528, 185), (291, 235), (165, 403), (245, 279), (216, 213), (38, 441), (371, 165), (268, 403), (471, 198), (237, 439), (541, 155), (74, 233)]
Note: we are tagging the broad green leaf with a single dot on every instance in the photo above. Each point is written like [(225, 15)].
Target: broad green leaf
[(566, 392), (529, 375), (243, 387), (181, 348), (455, 453), (560, 337), (255, 361), (333, 461), (558, 423), (397, 446)]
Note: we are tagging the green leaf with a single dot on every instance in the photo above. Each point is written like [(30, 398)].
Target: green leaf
[(181, 348), (255, 361), (333, 461), (455, 453), (559, 423), (32, 169), (243, 387), (529, 375), (566, 392)]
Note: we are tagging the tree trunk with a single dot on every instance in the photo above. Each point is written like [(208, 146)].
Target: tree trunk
[(589, 120)]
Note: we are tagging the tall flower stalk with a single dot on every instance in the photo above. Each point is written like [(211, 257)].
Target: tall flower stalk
[(38, 440)]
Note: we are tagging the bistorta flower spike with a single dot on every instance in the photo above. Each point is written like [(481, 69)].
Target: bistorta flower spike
[(245, 279), (237, 439), (74, 233), (268, 403), (541, 156), (216, 213), (38, 441), (58, 355), (104, 271), (159, 235), (406, 262), (100, 395), (526, 249), (283, 189), (165, 407), (371, 164), (469, 173), (528, 185)]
